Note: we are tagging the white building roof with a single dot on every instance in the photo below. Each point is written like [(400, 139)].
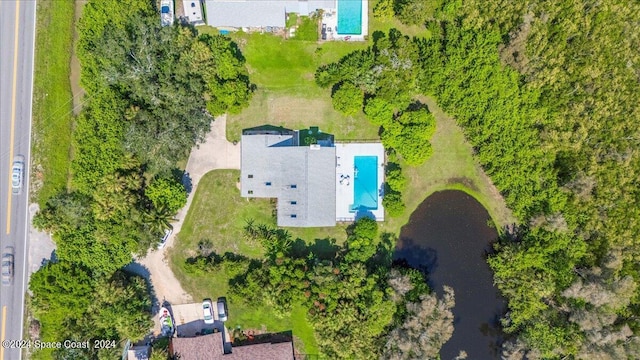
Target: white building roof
[(193, 11), (259, 13)]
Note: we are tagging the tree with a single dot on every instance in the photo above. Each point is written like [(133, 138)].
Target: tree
[(362, 240), (167, 193), (394, 177), (63, 212), (416, 12), (379, 111), (61, 294), (157, 219), (348, 99), (427, 326), (384, 9), (121, 308), (393, 203)]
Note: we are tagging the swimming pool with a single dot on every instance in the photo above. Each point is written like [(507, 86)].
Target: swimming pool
[(349, 17), (365, 183)]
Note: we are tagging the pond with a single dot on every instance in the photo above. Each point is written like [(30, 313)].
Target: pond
[(448, 237)]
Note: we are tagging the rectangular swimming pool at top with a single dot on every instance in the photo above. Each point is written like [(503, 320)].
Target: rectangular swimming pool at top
[(349, 17), (365, 183)]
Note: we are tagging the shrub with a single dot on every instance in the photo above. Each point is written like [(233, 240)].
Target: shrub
[(393, 203), (348, 99), (167, 193)]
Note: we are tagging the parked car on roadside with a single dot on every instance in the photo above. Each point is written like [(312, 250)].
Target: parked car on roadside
[(207, 311), (7, 266), (223, 313)]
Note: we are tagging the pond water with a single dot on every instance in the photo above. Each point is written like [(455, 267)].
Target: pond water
[(448, 237)]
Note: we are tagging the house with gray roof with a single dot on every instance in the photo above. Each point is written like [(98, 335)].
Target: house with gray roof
[(211, 347), (259, 13), (295, 167), (316, 180)]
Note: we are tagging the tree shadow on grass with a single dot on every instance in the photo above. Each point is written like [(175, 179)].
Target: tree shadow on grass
[(322, 249)]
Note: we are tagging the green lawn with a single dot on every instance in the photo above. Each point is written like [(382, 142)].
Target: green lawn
[(376, 24), (52, 98), (218, 213), (451, 166), (307, 29), (287, 94)]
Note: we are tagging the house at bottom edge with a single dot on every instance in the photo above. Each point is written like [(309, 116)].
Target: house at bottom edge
[(213, 347)]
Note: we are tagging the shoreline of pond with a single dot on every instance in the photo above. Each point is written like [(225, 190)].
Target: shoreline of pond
[(448, 237)]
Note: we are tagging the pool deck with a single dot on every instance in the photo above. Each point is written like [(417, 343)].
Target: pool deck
[(330, 18), (345, 154)]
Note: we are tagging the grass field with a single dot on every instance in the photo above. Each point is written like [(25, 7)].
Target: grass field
[(218, 213), (52, 98), (376, 24), (307, 29), (287, 94), (451, 167)]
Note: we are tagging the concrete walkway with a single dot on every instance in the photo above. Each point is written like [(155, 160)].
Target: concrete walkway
[(215, 153)]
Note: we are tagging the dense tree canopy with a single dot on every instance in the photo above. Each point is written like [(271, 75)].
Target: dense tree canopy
[(168, 193), (348, 301), (386, 73), (347, 99), (151, 94), (166, 78), (546, 94), (71, 303)]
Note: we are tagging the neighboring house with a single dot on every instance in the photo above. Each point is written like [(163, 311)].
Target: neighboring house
[(259, 13), (193, 12), (316, 181), (277, 163), (212, 347)]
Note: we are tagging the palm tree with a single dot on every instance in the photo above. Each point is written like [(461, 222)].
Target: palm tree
[(157, 220)]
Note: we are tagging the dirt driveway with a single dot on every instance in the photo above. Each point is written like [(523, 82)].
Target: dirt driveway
[(215, 153)]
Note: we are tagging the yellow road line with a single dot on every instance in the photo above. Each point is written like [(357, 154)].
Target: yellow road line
[(13, 111), (4, 320)]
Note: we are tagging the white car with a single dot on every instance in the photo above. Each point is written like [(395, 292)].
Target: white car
[(207, 311), (164, 239), (17, 175)]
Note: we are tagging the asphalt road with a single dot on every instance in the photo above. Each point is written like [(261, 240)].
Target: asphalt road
[(17, 31)]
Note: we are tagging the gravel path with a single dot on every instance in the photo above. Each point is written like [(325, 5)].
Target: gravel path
[(215, 153)]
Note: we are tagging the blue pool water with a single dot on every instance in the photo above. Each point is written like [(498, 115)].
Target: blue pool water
[(349, 17), (365, 183)]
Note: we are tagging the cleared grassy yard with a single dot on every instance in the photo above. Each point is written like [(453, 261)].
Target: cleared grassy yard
[(385, 25), (307, 29), (218, 214), (451, 167), (287, 94), (52, 98)]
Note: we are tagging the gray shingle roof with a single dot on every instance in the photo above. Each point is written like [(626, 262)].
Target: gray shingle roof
[(205, 347), (268, 351), (210, 347), (259, 13), (302, 178)]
